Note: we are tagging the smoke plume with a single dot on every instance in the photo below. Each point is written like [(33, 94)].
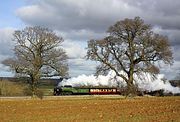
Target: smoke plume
[(144, 81)]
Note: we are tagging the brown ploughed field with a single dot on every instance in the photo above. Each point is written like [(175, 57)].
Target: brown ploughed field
[(90, 109)]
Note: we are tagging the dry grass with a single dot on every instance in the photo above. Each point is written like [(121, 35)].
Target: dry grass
[(8, 88), (89, 108)]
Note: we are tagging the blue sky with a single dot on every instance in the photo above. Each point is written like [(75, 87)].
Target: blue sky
[(8, 15), (78, 21)]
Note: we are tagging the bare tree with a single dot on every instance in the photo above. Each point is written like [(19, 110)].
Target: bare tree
[(38, 53), (131, 46)]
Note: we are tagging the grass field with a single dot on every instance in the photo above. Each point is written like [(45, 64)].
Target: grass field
[(91, 109), (20, 88)]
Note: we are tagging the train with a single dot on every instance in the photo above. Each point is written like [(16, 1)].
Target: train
[(69, 90)]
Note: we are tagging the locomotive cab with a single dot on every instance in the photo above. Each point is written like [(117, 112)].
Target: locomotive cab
[(57, 91)]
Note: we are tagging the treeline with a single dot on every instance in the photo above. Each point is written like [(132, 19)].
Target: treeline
[(47, 81)]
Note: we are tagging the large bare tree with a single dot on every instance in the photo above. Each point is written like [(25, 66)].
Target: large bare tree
[(38, 53), (130, 46)]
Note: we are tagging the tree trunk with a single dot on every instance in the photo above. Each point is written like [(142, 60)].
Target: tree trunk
[(131, 90), (33, 85)]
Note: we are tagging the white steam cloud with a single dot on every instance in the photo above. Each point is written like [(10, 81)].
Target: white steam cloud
[(144, 81)]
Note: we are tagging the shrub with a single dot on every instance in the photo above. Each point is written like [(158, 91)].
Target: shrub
[(39, 93), (27, 91)]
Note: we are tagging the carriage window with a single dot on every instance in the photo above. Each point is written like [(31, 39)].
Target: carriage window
[(114, 90)]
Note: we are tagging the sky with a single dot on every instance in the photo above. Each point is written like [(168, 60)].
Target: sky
[(78, 21)]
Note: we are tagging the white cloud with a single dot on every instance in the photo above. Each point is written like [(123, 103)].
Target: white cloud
[(74, 49), (97, 15), (171, 71), (6, 46), (6, 43), (6, 34), (77, 60), (81, 66), (77, 15)]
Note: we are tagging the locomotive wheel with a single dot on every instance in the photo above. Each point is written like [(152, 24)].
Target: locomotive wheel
[(66, 93)]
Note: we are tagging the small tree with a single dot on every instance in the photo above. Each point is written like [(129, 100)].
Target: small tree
[(37, 54), (131, 46)]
